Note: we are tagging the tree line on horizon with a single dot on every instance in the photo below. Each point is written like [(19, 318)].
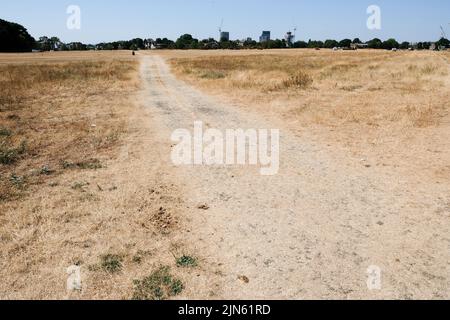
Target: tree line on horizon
[(15, 38)]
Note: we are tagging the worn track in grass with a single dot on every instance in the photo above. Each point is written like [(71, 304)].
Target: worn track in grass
[(312, 230)]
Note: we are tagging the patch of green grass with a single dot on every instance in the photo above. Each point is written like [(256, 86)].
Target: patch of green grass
[(10, 155), (176, 287), (79, 185), (5, 132), (67, 165), (137, 259), (186, 261), (160, 285), (17, 181), (213, 75), (46, 171), (111, 263), (91, 164)]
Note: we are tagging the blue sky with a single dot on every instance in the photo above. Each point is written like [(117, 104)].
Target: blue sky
[(107, 20)]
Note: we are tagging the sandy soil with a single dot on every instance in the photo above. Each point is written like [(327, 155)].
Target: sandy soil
[(347, 197), (312, 230)]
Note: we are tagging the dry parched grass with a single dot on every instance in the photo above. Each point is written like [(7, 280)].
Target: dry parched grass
[(330, 88), (300, 80), (78, 185), (20, 83), (261, 72), (391, 107), (48, 117)]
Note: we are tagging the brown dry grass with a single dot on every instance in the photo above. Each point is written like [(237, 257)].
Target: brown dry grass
[(82, 183), (50, 114), (81, 186), (375, 104), (331, 88)]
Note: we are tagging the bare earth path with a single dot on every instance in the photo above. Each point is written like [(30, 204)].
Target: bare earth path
[(312, 230)]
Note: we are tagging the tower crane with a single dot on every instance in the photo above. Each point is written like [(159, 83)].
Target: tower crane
[(220, 29)]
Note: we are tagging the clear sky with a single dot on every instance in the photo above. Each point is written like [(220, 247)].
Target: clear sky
[(107, 20)]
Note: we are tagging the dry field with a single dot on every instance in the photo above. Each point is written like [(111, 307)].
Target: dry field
[(364, 168), (79, 184), (86, 179), (392, 109)]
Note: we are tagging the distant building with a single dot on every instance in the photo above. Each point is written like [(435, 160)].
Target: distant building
[(355, 46), (224, 36), (265, 36), (148, 44), (290, 39)]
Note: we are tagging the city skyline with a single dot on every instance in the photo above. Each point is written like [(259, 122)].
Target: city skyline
[(102, 21)]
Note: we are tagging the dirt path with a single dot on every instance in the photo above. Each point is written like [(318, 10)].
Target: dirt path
[(312, 230)]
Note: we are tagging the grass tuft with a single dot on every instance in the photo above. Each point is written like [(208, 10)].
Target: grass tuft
[(300, 80), (211, 74), (5, 132), (186, 261), (111, 263), (91, 164), (160, 285), (17, 181), (9, 155)]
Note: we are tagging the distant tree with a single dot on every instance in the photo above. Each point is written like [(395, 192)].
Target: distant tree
[(209, 44), (63, 47), (77, 46), (390, 44), (55, 43), (137, 43), (186, 41), (195, 44), (165, 43), (44, 44), (426, 45), (300, 44), (375, 43), (405, 45), (231, 45), (315, 44), (250, 44), (49, 44), (346, 43), (273, 44), (423, 45), (356, 41), (443, 43), (330, 44), (109, 46), (279, 44), (15, 38)]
